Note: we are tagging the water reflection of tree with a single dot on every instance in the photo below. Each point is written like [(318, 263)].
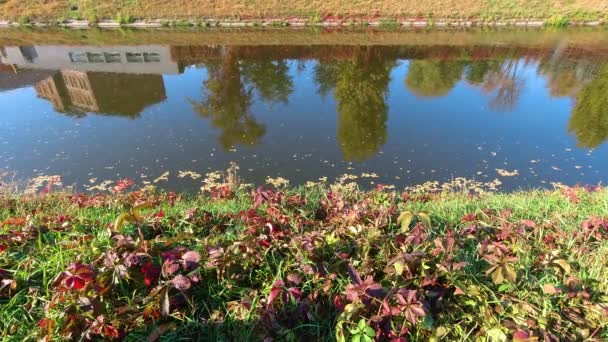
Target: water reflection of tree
[(565, 76), (430, 78), (562, 79), (478, 71), (506, 85), (270, 78), (500, 79), (326, 77), (360, 88), (227, 102), (589, 120)]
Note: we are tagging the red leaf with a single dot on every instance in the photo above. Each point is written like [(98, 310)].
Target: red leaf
[(122, 185), (528, 223), (468, 217), (151, 273), (339, 303), (75, 283), (82, 271), (296, 293), (264, 243), (110, 331), (571, 195), (520, 336), (14, 221), (274, 293), (43, 322), (352, 292)]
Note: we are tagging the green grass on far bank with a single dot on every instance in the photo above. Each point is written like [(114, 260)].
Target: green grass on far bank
[(311, 263), (313, 10)]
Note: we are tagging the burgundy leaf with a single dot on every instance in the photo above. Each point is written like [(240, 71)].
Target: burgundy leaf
[(354, 275), (296, 293), (191, 259), (151, 273), (181, 283), (274, 293), (294, 279), (169, 267), (520, 336)]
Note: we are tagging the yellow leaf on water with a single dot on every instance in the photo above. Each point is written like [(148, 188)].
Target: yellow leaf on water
[(506, 173)]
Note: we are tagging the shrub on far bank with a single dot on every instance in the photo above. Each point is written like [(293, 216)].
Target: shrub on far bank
[(558, 20), (124, 19), (23, 20)]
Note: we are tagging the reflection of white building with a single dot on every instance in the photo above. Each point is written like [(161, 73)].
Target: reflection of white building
[(73, 91), (140, 59)]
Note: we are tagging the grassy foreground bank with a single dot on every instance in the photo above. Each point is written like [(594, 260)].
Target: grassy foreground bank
[(312, 10), (321, 262)]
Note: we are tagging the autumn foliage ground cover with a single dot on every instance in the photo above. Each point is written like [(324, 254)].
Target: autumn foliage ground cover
[(321, 262)]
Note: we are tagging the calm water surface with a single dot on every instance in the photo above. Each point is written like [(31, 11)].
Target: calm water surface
[(410, 112)]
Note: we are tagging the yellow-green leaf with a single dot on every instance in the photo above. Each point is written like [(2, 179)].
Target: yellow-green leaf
[(441, 331), (496, 335), (404, 220), (135, 212), (509, 273), (120, 220), (339, 332), (426, 220), (563, 264), (399, 266), (497, 276)]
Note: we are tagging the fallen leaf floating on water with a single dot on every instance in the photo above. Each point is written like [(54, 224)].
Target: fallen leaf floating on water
[(506, 173), (103, 186), (277, 182), (369, 175), (162, 178), (190, 174)]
